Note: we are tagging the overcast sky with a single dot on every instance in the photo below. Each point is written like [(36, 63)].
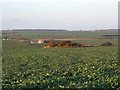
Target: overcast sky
[(60, 14)]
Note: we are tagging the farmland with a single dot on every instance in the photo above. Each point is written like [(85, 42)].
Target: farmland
[(36, 67), (95, 35)]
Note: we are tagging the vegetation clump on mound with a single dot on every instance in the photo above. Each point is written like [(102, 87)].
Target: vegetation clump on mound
[(62, 44)]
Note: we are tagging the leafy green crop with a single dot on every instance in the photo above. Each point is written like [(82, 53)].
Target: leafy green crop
[(85, 67)]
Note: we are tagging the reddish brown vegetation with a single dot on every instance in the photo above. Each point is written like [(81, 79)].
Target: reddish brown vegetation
[(62, 44)]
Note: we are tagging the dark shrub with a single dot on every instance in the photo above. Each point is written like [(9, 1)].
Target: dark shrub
[(67, 41), (107, 43)]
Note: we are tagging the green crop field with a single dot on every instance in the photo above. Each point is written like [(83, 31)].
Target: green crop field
[(26, 66)]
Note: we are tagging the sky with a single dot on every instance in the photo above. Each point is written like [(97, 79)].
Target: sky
[(59, 14)]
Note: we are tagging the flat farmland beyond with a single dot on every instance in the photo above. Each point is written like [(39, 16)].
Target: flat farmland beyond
[(26, 66), (87, 37)]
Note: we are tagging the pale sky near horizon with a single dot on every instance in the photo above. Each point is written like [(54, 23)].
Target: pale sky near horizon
[(60, 14)]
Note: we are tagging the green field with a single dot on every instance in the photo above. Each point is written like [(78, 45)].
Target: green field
[(25, 66)]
